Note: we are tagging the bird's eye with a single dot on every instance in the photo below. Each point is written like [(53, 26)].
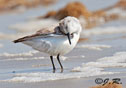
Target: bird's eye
[(68, 21), (72, 35), (66, 27)]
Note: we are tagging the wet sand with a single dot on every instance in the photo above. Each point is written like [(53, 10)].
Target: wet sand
[(71, 83), (18, 62)]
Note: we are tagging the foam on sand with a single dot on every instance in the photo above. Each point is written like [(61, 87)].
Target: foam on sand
[(21, 58), (37, 77), (94, 46), (85, 70), (30, 53), (117, 60)]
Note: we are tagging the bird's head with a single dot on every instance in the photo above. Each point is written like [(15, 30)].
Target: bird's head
[(70, 25)]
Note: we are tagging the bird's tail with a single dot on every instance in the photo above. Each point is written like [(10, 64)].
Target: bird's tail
[(26, 38), (18, 40), (21, 39)]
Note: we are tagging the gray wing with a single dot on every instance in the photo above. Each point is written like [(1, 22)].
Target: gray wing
[(45, 32)]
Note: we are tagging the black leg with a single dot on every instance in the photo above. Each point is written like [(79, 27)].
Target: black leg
[(60, 63), (51, 57)]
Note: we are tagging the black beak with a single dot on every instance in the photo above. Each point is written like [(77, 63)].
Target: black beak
[(68, 35)]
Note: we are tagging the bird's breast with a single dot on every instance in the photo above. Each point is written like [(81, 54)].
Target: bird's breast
[(53, 45)]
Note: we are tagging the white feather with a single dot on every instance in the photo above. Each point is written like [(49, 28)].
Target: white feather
[(55, 44)]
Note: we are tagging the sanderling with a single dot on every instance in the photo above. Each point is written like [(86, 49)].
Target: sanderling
[(59, 41)]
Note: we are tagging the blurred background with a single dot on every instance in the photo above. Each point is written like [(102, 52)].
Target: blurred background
[(101, 50), (22, 17)]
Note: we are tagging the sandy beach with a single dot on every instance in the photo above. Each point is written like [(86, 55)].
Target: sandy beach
[(71, 83), (101, 55)]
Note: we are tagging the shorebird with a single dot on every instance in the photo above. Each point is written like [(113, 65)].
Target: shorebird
[(55, 41)]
